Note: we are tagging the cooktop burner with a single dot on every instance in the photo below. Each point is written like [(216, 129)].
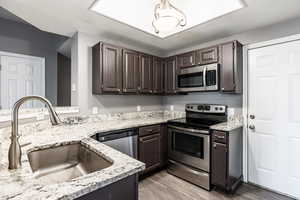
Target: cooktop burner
[(201, 116)]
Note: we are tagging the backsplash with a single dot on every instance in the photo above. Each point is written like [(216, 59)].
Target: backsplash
[(34, 114), (179, 101), (35, 126)]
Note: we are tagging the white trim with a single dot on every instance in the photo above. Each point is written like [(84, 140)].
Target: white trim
[(246, 49), (4, 53), (245, 113), (274, 42)]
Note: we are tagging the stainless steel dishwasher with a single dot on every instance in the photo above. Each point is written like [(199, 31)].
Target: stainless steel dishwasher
[(124, 140)]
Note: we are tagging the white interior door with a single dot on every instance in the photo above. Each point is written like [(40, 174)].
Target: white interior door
[(21, 76), (274, 102)]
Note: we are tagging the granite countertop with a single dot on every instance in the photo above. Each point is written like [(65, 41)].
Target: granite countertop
[(228, 126), (21, 184)]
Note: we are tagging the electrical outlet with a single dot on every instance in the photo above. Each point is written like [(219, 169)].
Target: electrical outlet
[(138, 108), (40, 116), (230, 111), (73, 87), (172, 107), (95, 110)]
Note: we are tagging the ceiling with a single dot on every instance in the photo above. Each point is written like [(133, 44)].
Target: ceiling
[(4, 14), (66, 17), (140, 13)]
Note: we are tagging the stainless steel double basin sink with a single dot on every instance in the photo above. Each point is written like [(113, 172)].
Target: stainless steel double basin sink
[(66, 162)]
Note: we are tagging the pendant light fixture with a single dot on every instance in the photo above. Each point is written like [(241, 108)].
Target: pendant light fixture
[(167, 17)]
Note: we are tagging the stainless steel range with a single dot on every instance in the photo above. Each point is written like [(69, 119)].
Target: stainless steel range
[(189, 142)]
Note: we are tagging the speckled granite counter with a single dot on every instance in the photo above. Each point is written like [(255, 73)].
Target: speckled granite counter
[(228, 126), (20, 184)]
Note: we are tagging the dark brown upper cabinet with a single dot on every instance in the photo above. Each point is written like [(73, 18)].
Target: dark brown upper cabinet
[(207, 56), (231, 69), (186, 59), (107, 69), (131, 71), (170, 75), (158, 75), (146, 73)]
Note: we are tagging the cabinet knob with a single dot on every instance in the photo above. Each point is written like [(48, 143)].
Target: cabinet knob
[(252, 116)]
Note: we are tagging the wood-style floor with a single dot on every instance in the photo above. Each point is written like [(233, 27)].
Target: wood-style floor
[(163, 186)]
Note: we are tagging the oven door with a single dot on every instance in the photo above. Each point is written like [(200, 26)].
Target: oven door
[(189, 146)]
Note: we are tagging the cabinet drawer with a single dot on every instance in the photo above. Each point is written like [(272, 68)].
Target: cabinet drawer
[(219, 136), (149, 130)]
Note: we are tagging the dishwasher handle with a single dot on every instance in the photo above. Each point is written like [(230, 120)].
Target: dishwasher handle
[(114, 135)]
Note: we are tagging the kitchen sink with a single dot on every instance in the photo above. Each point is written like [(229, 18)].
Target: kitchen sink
[(66, 162)]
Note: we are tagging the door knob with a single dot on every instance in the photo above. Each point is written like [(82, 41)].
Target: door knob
[(252, 116), (252, 127)]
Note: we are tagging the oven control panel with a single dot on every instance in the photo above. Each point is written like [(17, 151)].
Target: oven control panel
[(206, 108)]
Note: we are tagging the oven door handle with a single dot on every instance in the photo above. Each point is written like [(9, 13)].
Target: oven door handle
[(189, 129)]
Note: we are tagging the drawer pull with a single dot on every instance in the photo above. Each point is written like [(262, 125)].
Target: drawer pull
[(220, 137)]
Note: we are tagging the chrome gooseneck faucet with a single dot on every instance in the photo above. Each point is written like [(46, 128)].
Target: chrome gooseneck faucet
[(14, 153)]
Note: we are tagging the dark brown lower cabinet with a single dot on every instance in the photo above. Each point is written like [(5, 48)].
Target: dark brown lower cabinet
[(126, 188), (219, 166), (226, 159), (149, 151), (164, 145), (152, 147)]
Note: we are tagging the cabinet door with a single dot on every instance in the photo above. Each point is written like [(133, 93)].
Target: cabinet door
[(227, 67), (149, 151), (164, 145), (158, 76), (97, 69), (219, 164), (146, 73), (207, 56), (112, 71), (131, 72), (186, 60), (170, 76)]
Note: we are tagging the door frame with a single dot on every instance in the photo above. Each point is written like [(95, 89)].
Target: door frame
[(246, 95), (41, 59)]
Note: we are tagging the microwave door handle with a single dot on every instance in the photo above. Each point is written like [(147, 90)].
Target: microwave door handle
[(204, 76)]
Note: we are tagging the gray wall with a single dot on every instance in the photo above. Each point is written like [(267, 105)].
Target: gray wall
[(81, 55), (283, 29), (25, 39), (179, 101), (81, 71)]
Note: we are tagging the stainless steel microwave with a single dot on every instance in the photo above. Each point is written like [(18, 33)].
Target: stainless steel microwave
[(199, 78)]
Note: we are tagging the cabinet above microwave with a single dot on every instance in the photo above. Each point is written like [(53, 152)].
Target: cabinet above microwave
[(229, 75)]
